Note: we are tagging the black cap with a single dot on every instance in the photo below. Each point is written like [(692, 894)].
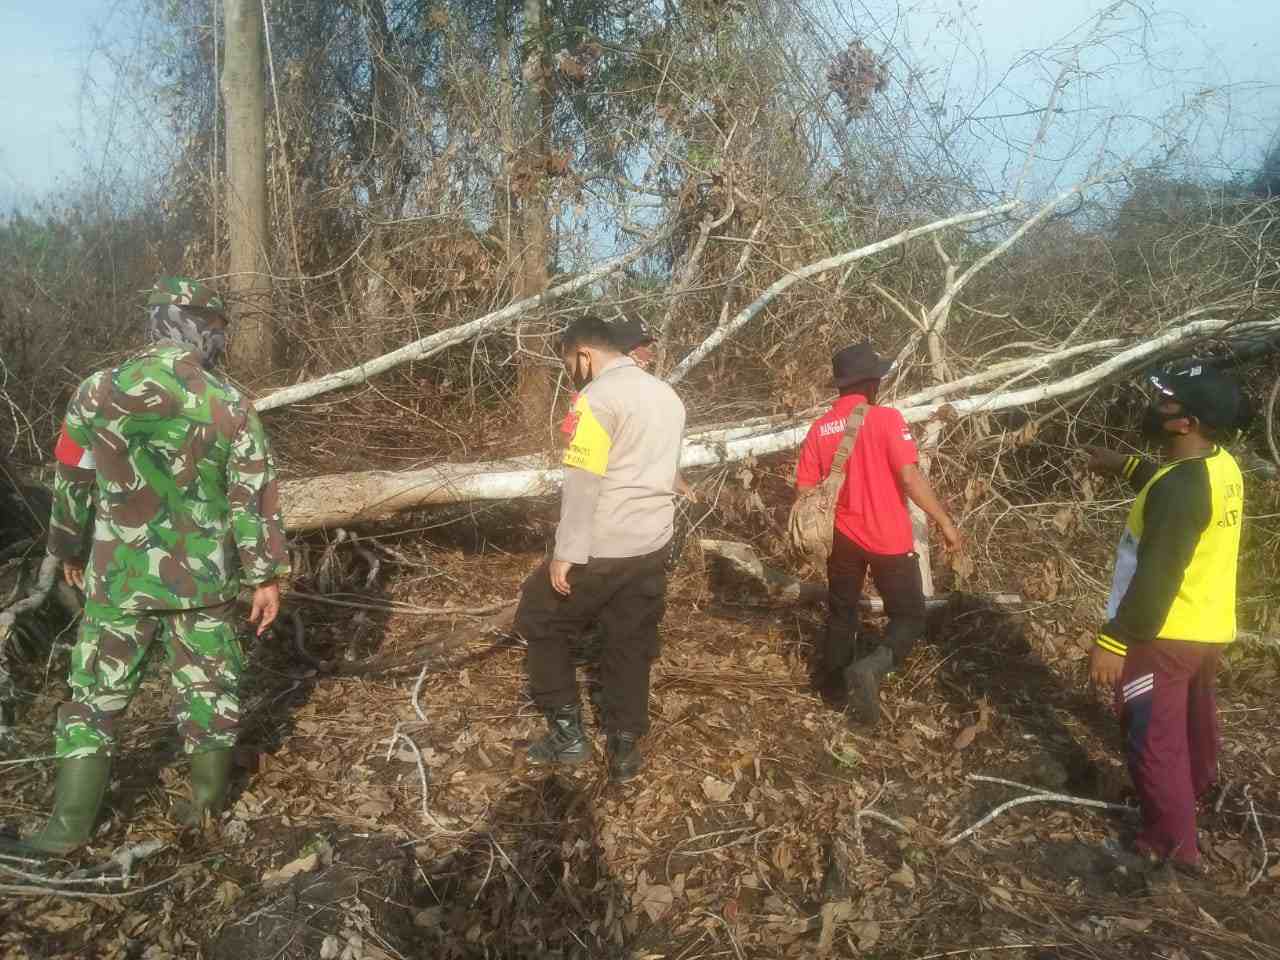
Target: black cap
[(629, 333), (1206, 393), (858, 363)]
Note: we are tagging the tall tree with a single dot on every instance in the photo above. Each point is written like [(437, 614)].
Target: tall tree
[(530, 263), (245, 95)]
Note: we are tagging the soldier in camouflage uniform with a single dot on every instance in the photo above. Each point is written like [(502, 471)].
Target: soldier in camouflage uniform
[(165, 504)]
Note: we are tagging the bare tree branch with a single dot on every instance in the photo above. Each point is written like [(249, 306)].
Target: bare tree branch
[(442, 340), (723, 332)]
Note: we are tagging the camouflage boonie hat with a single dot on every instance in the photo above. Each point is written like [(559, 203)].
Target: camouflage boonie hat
[(184, 292)]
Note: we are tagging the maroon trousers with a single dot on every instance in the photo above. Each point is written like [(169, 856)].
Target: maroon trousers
[(1170, 721)]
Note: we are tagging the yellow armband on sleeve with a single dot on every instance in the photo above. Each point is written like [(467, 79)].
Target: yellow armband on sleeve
[(589, 448)]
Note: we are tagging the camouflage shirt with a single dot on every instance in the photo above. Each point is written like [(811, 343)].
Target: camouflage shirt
[(165, 488)]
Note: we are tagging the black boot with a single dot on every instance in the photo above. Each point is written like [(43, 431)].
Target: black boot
[(625, 758), (565, 742), (864, 685)]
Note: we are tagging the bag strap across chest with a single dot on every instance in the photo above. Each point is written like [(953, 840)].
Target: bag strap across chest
[(851, 427)]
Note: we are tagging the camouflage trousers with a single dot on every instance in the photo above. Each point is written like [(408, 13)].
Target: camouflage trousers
[(205, 663)]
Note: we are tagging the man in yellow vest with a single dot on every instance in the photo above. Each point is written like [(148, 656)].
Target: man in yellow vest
[(1172, 605)]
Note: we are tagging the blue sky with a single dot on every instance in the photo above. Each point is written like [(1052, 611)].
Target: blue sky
[(1230, 45), (45, 49)]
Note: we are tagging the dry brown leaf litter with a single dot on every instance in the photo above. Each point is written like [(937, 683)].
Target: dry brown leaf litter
[(743, 839)]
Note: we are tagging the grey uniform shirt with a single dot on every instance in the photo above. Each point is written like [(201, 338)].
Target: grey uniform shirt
[(620, 467)]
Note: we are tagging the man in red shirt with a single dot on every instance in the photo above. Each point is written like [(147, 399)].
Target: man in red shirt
[(872, 529)]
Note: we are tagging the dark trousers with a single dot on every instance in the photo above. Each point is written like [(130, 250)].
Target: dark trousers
[(627, 597), (1169, 714), (897, 577)]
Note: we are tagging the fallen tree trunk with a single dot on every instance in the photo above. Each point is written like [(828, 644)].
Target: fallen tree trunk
[(340, 499), (343, 498)]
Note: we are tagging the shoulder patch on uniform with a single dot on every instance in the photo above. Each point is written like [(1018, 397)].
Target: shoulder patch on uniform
[(71, 454), (589, 448)]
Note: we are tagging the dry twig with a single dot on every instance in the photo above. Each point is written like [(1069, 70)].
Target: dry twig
[(884, 818), (1038, 797), (422, 775), (1262, 842), (21, 890), (971, 950), (407, 608), (417, 689), (14, 763), (124, 858)]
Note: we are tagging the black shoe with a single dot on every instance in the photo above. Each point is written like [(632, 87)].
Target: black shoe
[(625, 758), (565, 742), (863, 679)]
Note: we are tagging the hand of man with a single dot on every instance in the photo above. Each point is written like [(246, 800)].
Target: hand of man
[(951, 534), (266, 606), (73, 573), (1105, 668), (1104, 461), (560, 576)]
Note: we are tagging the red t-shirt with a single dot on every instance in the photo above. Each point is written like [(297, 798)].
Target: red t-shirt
[(871, 509)]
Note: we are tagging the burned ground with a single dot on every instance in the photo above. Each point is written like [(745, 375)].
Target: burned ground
[(759, 829)]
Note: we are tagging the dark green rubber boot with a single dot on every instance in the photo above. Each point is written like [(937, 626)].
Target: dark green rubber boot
[(864, 678), (210, 778), (82, 783), (565, 742)]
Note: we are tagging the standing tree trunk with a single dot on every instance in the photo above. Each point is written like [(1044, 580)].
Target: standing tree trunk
[(384, 179), (244, 93), (503, 199), (536, 379)]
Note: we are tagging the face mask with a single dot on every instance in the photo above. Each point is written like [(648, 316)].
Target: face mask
[(1154, 421), (580, 379)]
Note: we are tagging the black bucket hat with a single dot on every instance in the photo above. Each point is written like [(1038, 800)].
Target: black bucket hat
[(858, 363)]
